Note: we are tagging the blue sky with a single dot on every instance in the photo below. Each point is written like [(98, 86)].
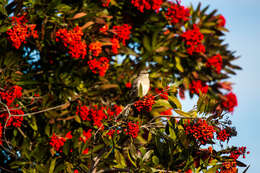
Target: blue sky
[(243, 22)]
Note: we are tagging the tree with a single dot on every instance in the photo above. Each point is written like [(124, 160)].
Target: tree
[(67, 69)]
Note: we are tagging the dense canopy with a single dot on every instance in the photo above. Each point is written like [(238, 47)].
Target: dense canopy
[(67, 74)]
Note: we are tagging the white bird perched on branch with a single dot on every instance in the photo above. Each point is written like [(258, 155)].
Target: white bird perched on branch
[(141, 85)]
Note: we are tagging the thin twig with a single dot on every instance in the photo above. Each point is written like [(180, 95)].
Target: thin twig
[(7, 170), (171, 116), (114, 170), (10, 115), (41, 111), (20, 130)]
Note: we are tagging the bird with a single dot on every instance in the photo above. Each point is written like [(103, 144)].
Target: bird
[(141, 85)]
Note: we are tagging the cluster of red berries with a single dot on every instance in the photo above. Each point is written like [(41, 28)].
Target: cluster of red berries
[(200, 130), (145, 104), (177, 13), (21, 31), (99, 66), (111, 132), (57, 141), (167, 112), (104, 29), (114, 41), (15, 121), (115, 45), (122, 32), (11, 94), (238, 152), (221, 21), (114, 111), (230, 102), (215, 62), (198, 86), (95, 48), (193, 39), (86, 136), (73, 41), (96, 115), (223, 135), (147, 4), (132, 129), (228, 167), (128, 85), (105, 3), (163, 93), (9, 97)]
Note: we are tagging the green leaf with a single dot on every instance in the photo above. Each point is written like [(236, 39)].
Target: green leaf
[(52, 165), (63, 7), (120, 159), (4, 28), (183, 113), (172, 133), (146, 43), (207, 31), (178, 64), (33, 124), (130, 158), (133, 151), (161, 103), (213, 169), (155, 160), (174, 102)]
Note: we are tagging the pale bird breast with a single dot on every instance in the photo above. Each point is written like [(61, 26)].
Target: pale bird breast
[(145, 86)]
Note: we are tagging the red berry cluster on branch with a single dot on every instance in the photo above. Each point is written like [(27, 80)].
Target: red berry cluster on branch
[(215, 62), (122, 32), (177, 13), (132, 129), (228, 167), (11, 94), (163, 93), (104, 29), (114, 111), (145, 104), (230, 102), (57, 142), (221, 21), (238, 152), (200, 130), (97, 115), (13, 118), (14, 114), (222, 135), (167, 112), (198, 86), (73, 41), (105, 3), (99, 66), (147, 4), (115, 45), (193, 40), (95, 48), (128, 85), (86, 136), (21, 31)]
